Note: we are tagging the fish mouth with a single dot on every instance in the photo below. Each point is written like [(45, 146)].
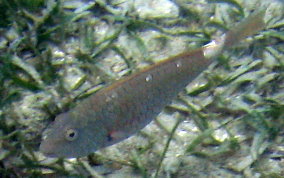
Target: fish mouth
[(45, 148), (49, 150)]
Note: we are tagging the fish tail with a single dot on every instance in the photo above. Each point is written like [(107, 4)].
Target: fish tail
[(249, 26)]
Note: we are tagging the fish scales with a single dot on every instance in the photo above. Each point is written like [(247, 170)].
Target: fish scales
[(123, 108), (134, 102), (137, 99)]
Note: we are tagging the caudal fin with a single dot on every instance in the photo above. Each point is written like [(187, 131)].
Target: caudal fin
[(249, 26)]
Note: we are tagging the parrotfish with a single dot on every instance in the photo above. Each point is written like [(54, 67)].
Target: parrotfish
[(121, 109)]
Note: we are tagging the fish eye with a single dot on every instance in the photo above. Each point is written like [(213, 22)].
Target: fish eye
[(71, 134)]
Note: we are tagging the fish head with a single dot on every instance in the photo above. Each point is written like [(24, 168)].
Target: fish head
[(70, 136)]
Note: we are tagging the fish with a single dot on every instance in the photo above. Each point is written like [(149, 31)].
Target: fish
[(121, 109)]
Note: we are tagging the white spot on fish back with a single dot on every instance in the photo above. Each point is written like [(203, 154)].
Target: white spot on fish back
[(149, 78), (178, 64), (114, 95), (111, 97)]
